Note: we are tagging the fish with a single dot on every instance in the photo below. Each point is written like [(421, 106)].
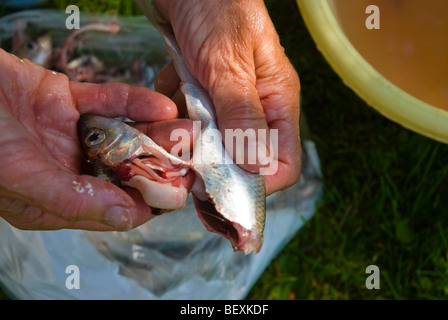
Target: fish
[(125, 156), (84, 68), (229, 200), (38, 50), (237, 197), (83, 55)]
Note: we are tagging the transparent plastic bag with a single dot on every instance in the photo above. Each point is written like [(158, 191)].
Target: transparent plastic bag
[(170, 257), (136, 53)]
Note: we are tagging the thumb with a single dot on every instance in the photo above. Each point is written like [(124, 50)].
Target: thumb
[(82, 202), (242, 123), (97, 202)]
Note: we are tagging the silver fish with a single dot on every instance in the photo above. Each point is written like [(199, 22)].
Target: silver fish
[(235, 195), (38, 50), (123, 155)]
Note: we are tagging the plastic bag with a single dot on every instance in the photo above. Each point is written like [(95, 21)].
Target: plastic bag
[(133, 55), (172, 256)]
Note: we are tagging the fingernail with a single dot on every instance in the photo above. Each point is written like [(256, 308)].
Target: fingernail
[(119, 218)]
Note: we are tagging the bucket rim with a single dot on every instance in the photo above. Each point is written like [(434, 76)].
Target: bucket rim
[(388, 99)]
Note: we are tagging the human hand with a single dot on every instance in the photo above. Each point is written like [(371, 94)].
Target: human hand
[(234, 51), (40, 182)]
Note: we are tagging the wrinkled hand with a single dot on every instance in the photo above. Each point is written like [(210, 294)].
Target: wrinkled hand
[(234, 51), (40, 155)]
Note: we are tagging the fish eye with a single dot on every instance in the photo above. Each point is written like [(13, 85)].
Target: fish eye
[(31, 45), (95, 137)]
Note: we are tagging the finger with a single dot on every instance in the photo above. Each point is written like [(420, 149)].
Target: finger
[(34, 218), (279, 90), (179, 99), (167, 80), (145, 211), (177, 133), (60, 193), (87, 199), (285, 169), (118, 99), (168, 84), (284, 145), (240, 113), (54, 191), (89, 209)]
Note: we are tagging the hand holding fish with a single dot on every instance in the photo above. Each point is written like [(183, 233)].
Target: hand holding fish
[(232, 48), (40, 182)]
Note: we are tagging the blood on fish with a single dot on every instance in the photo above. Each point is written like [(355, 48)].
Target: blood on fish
[(124, 171)]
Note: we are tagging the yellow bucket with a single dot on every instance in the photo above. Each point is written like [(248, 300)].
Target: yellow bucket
[(320, 16)]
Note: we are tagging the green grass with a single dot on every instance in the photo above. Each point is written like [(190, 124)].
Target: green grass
[(385, 195), (385, 190)]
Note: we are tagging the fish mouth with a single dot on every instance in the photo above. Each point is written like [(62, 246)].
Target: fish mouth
[(216, 222), (241, 238), (241, 225), (161, 187)]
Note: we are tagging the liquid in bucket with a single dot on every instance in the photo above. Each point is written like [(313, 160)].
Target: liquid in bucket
[(411, 47)]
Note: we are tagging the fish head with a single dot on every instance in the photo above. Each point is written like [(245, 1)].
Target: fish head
[(38, 50), (123, 155), (107, 141)]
